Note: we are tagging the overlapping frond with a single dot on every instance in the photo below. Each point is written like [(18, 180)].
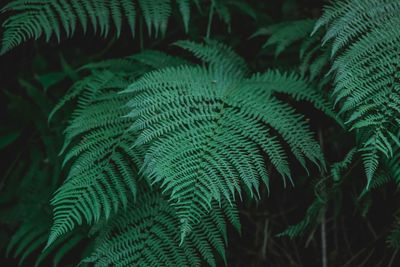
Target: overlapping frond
[(284, 34), (208, 130), (103, 173), (217, 55), (32, 235), (36, 18), (314, 57), (364, 35), (148, 235)]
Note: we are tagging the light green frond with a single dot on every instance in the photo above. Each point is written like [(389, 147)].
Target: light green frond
[(207, 130)]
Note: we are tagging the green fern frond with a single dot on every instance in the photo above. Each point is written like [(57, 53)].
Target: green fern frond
[(338, 167), (207, 129), (324, 192), (35, 18), (34, 192), (300, 89), (103, 172), (100, 174), (310, 221), (152, 225), (156, 14), (217, 55), (284, 34), (364, 36), (158, 60)]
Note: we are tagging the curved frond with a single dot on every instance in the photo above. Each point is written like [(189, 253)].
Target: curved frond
[(207, 131), (36, 18), (217, 55), (364, 35), (284, 34), (148, 235), (103, 174)]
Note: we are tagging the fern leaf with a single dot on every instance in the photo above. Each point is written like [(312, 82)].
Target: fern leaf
[(35, 18), (221, 128), (284, 34), (364, 37), (184, 7), (217, 55), (156, 14), (102, 172), (151, 225)]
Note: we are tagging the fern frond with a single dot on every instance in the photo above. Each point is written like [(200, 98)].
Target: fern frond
[(151, 225), (156, 14), (323, 194), (207, 129), (103, 171), (284, 34), (364, 36), (34, 192), (217, 55), (300, 89), (393, 238), (310, 221), (35, 18)]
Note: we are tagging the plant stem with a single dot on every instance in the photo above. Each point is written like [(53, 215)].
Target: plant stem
[(210, 18), (323, 219), (323, 241)]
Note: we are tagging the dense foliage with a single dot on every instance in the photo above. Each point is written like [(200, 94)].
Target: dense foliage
[(200, 132)]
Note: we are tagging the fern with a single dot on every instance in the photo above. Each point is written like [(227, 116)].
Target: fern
[(35, 18), (151, 225), (159, 149), (33, 181), (208, 127), (100, 175), (364, 37), (325, 191), (285, 34), (104, 169)]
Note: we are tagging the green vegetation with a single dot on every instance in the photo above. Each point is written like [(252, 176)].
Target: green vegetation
[(200, 132)]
